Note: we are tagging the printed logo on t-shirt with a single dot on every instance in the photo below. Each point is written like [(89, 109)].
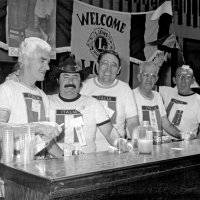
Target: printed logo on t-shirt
[(35, 107), (152, 114), (109, 104), (178, 107), (71, 119)]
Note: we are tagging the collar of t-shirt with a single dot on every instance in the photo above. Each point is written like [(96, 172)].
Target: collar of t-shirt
[(106, 86), (186, 95), (69, 100)]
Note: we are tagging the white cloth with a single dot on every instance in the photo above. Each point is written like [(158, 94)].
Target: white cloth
[(150, 110), (118, 102), (182, 111), (43, 8), (25, 104), (85, 112)]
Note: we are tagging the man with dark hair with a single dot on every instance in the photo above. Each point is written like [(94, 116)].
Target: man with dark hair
[(81, 114), (115, 95)]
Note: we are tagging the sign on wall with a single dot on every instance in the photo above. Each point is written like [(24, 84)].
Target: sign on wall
[(95, 29), (31, 18)]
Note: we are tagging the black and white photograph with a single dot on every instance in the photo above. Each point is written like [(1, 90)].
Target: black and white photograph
[(99, 99)]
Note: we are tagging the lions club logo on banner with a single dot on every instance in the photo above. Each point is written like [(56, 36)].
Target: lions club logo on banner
[(100, 39)]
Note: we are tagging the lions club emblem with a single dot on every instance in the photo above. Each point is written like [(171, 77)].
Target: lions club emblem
[(100, 39)]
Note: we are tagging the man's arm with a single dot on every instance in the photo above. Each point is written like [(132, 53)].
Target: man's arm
[(106, 130), (132, 123), (170, 128), (4, 115), (113, 137)]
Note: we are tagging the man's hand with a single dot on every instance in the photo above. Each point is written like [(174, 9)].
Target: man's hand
[(48, 130), (123, 145), (4, 115), (188, 135)]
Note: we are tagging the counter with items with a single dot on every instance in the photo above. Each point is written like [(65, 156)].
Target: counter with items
[(172, 170)]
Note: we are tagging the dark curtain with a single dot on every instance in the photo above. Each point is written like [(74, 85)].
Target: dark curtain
[(3, 5), (63, 22)]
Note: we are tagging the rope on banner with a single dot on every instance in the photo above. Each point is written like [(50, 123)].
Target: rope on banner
[(68, 49), (63, 49)]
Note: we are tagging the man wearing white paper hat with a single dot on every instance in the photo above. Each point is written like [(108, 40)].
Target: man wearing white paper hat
[(182, 104), (80, 114)]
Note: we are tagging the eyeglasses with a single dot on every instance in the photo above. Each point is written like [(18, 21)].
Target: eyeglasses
[(146, 75), (106, 63), (186, 77)]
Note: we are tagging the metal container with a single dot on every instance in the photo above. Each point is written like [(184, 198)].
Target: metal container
[(157, 137)]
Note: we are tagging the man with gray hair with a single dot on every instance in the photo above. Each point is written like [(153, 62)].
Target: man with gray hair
[(21, 101), (34, 56), (149, 103), (182, 104)]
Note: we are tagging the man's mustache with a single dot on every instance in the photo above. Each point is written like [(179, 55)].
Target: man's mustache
[(70, 85)]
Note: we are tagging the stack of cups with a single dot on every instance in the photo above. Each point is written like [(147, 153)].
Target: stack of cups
[(27, 143), (7, 145)]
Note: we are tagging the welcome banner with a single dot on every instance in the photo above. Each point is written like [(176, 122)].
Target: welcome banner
[(95, 29)]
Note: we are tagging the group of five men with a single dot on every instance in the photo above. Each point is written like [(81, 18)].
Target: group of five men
[(90, 108)]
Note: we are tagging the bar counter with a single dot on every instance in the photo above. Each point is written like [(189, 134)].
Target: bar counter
[(172, 171)]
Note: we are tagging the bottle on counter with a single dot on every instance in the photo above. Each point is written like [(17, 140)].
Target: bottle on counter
[(145, 137)]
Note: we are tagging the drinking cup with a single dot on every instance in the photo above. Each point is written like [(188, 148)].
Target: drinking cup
[(7, 145)]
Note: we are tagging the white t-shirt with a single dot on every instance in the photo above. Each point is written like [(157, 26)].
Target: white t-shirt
[(182, 111), (83, 114), (24, 103), (117, 100), (150, 110)]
